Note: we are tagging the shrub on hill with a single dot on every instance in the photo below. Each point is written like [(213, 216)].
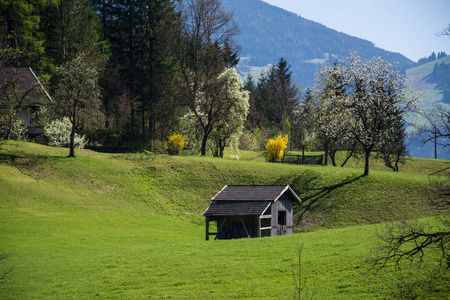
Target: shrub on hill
[(58, 133), (176, 144), (275, 148)]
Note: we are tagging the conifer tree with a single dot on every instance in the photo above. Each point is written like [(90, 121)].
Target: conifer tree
[(279, 97), (71, 27), (21, 40)]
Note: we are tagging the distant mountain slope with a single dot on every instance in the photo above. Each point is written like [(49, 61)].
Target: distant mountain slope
[(419, 78), (269, 33)]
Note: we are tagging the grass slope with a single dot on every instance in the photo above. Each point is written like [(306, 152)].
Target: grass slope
[(417, 78), (130, 226)]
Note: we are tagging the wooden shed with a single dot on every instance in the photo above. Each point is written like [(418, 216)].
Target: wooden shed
[(251, 211)]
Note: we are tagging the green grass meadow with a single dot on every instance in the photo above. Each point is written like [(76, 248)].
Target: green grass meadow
[(130, 226)]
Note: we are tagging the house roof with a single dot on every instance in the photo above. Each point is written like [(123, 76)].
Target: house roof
[(28, 85), (246, 199)]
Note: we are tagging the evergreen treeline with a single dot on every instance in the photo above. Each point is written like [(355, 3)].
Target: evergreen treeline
[(431, 58), (441, 74)]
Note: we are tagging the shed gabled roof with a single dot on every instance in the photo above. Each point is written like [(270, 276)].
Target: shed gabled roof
[(27, 84), (235, 200), (237, 208), (253, 193)]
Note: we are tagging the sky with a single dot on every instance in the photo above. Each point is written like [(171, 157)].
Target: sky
[(408, 27)]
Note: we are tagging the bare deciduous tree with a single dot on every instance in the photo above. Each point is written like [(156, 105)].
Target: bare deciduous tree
[(206, 32), (436, 127), (412, 241), (416, 241)]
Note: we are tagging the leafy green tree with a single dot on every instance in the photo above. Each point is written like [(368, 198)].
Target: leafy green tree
[(77, 95), (393, 151)]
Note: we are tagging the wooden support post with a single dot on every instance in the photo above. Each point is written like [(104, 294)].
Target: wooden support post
[(220, 227), (207, 228), (245, 227), (258, 231)]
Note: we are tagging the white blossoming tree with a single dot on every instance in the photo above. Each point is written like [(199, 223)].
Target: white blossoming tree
[(333, 120), (219, 116), (231, 118), (77, 94), (373, 101), (58, 133)]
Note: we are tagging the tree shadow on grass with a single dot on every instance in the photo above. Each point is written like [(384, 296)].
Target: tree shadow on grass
[(307, 184), (25, 162), (439, 172)]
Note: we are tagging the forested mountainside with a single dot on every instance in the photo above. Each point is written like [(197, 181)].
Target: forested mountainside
[(269, 32), (432, 81)]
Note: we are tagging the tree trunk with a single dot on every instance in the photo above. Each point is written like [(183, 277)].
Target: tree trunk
[(435, 143), (143, 138), (367, 160), (333, 158), (221, 148), (72, 142), (72, 132), (350, 155), (204, 141), (326, 153)]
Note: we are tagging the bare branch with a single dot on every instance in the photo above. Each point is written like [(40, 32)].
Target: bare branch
[(411, 241), (445, 31)]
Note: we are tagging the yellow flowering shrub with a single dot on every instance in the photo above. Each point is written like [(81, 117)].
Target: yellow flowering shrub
[(176, 144), (275, 148)]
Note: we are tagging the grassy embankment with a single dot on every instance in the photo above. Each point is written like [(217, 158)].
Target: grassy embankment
[(130, 226), (418, 77)]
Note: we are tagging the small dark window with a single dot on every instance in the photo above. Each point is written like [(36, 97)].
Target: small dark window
[(282, 217)]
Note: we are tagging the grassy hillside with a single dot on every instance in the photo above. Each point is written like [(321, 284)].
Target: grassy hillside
[(417, 78), (130, 226)]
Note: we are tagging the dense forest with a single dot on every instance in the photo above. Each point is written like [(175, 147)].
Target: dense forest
[(149, 59), (441, 75)]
